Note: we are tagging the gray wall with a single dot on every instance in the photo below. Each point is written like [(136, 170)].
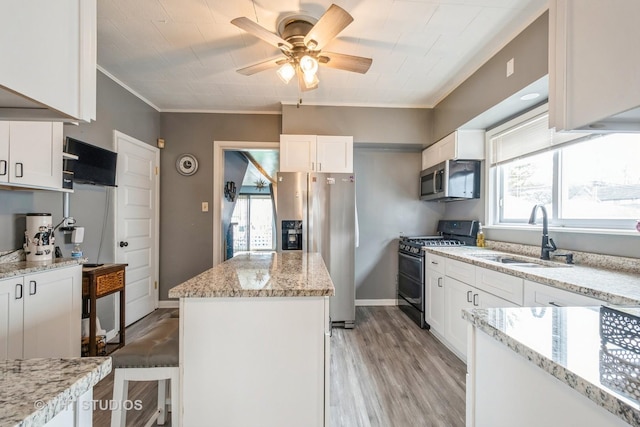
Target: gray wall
[(186, 247), (388, 205), (366, 125), (116, 109), (489, 85)]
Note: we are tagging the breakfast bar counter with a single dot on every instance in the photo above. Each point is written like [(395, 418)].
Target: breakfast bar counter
[(553, 366), (254, 342), (49, 392)]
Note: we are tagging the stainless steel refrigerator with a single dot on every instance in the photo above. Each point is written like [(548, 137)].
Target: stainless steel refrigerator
[(315, 212)]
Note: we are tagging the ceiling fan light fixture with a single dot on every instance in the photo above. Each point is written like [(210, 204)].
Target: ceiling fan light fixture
[(310, 80), (286, 72), (309, 65)]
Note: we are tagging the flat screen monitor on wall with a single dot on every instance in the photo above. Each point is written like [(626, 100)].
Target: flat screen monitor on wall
[(95, 165)]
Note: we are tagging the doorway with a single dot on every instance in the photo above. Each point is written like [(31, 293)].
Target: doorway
[(219, 149)]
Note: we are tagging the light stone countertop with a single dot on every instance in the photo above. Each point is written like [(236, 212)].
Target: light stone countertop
[(19, 268), (616, 287), (580, 361), (261, 274), (33, 391)]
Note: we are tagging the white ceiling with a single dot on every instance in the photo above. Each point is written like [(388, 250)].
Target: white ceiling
[(181, 55)]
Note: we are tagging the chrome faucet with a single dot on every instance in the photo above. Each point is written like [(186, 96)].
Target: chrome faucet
[(547, 243)]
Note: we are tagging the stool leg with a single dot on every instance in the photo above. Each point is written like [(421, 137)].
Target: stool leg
[(120, 394), (175, 398), (162, 401)]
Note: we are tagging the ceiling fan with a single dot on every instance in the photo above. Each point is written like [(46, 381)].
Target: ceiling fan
[(301, 38)]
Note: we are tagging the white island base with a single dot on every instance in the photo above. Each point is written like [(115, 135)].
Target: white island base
[(255, 361)]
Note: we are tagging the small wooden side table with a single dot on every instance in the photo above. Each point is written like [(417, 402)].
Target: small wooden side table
[(98, 282)]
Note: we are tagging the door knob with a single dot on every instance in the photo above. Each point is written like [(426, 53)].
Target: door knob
[(123, 244)]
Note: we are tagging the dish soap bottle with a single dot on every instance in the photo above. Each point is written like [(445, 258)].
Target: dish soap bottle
[(480, 237)]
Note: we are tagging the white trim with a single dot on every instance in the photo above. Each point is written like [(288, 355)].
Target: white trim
[(526, 227), (169, 304), (219, 147), (174, 110), (375, 302), (363, 105), (133, 92)]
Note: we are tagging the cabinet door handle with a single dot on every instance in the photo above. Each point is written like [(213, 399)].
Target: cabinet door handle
[(439, 282), (313, 166), (3, 167), (18, 288), (475, 300), (555, 304), (434, 263), (33, 287), (469, 296), (319, 167), (19, 166)]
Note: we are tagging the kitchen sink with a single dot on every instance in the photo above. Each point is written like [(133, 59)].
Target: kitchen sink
[(517, 261)]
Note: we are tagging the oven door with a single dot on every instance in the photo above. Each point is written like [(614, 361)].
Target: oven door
[(411, 279)]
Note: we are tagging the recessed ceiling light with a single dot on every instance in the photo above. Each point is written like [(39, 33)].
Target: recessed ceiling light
[(529, 96)]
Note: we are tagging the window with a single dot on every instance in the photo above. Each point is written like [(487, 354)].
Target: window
[(252, 223), (583, 180)]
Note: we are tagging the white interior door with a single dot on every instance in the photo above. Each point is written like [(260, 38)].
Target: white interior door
[(137, 223)]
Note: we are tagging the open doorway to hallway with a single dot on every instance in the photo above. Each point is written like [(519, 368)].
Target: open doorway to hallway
[(243, 218)]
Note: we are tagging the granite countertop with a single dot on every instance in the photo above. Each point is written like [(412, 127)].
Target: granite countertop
[(616, 287), (33, 391), (261, 274), (567, 343), (19, 268)]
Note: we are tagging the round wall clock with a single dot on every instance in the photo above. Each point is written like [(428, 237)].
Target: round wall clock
[(187, 164)]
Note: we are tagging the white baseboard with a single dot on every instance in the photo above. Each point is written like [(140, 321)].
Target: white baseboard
[(169, 304), (375, 302)]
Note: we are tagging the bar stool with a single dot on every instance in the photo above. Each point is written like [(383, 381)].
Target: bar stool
[(154, 356)]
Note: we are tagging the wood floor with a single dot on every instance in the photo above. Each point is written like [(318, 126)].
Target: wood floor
[(386, 372)]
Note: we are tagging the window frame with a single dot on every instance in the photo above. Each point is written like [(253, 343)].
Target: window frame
[(495, 189)]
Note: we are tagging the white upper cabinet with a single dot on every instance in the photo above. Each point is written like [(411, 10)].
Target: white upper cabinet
[(461, 144), (594, 65), (31, 154), (48, 51), (316, 153)]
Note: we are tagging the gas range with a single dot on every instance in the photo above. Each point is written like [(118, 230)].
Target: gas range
[(451, 233), (411, 262)]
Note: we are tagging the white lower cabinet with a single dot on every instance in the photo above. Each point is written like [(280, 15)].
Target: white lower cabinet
[(536, 295), (457, 297), (41, 314), (460, 296)]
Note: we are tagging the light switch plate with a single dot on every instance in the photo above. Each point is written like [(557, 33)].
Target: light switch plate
[(205, 206), (510, 66)]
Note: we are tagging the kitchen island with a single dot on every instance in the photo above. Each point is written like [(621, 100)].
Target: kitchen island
[(50, 392), (550, 366), (254, 342)]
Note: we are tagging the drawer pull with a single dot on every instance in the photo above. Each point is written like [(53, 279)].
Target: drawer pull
[(469, 296), (555, 304), (434, 263), (18, 288)]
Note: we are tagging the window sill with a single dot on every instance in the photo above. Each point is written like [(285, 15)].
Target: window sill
[(537, 228)]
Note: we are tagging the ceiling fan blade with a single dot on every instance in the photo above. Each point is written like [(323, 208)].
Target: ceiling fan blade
[(262, 33), (356, 64), (334, 20), (264, 65)]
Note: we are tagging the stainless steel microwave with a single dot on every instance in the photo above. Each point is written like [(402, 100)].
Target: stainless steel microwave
[(451, 180)]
